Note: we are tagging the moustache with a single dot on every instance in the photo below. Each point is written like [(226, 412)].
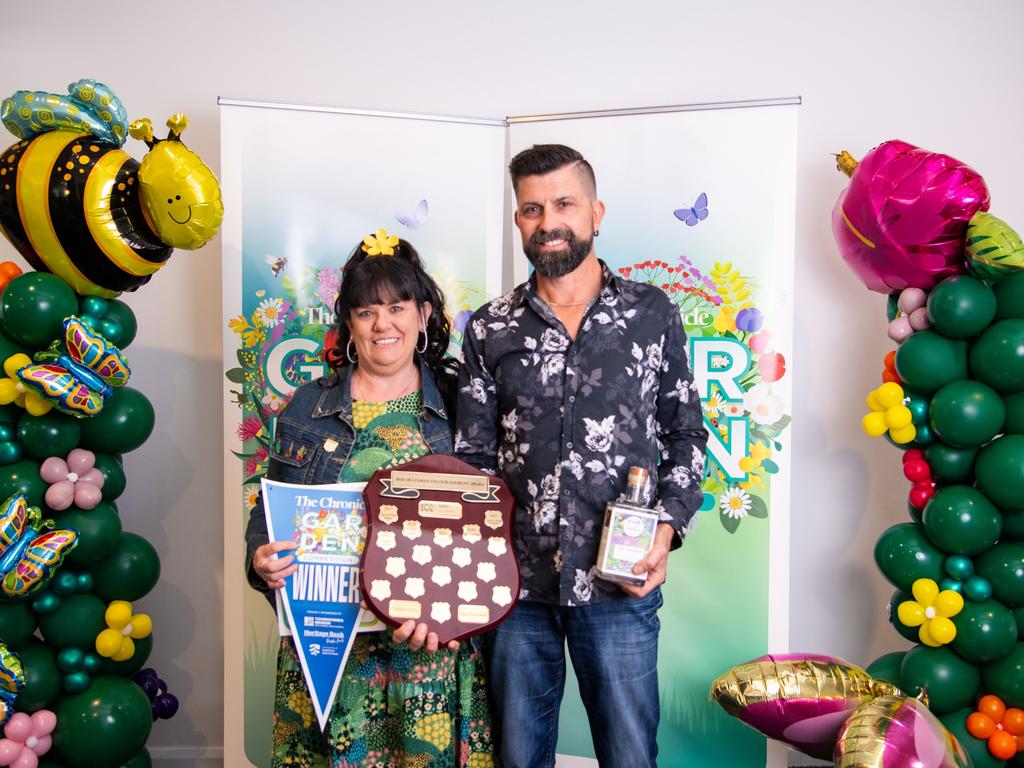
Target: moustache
[(543, 238)]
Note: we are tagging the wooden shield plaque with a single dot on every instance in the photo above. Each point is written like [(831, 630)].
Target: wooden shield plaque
[(439, 547)]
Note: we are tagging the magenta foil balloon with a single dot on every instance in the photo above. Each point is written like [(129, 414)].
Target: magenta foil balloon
[(901, 221)]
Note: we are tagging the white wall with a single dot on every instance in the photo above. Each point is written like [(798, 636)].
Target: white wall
[(941, 74)]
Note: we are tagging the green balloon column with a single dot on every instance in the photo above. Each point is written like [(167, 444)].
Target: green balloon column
[(81, 638), (952, 400)]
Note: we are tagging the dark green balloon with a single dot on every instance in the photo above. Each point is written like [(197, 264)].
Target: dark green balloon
[(1009, 294), (959, 566), (910, 633), (129, 572), (92, 305), (887, 667), (124, 424), (918, 408), (1013, 524), (999, 470), (8, 347), (904, 554), (892, 307), (99, 531), (961, 306), (927, 361), (1014, 405), (976, 749), (122, 314), (950, 464), (106, 725), (141, 760), (924, 436), (1005, 678), (966, 414), (33, 307), (114, 481), (76, 622), (1003, 566), (143, 648), (42, 678), (951, 682), (23, 477), (52, 434), (960, 520), (985, 632), (1018, 615), (978, 589), (69, 659), (17, 623), (997, 357)]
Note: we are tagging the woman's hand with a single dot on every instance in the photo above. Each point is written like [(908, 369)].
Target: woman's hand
[(274, 570), (417, 636)]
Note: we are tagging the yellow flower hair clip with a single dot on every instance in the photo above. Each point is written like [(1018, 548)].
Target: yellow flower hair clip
[(380, 244)]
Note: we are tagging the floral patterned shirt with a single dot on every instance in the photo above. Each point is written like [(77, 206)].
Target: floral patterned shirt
[(562, 421)]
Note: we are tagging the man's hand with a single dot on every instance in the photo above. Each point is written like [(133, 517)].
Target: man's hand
[(417, 637), (274, 570), (655, 565)]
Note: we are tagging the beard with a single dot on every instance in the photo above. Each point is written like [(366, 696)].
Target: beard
[(557, 263)]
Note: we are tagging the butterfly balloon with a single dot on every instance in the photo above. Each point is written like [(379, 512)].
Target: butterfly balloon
[(29, 555), (77, 379), (415, 218), (697, 213), (12, 681)]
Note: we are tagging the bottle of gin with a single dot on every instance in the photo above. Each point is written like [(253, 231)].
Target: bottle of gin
[(628, 532)]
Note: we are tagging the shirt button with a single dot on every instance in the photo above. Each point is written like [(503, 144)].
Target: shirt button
[(569, 446), (572, 398)]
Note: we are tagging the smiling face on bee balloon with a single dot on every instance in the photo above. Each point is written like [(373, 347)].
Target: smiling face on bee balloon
[(180, 194)]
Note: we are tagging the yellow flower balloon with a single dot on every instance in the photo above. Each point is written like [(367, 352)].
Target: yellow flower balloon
[(115, 642), (889, 414), (931, 610)]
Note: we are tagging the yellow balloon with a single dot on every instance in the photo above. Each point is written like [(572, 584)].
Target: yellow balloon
[(126, 651), (925, 591), (949, 603), (942, 630), (14, 362), (890, 394), (872, 401), (904, 434), (8, 391), (926, 636), (108, 642), (910, 613), (118, 614), (898, 417), (874, 424), (35, 405), (142, 626), (181, 195)]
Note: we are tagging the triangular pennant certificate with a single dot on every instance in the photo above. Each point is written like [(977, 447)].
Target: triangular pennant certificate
[(321, 598)]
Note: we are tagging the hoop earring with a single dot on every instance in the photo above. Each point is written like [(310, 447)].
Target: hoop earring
[(348, 352), (597, 233), (426, 342)]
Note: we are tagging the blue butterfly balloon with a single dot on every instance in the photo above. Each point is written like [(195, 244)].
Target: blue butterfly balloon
[(692, 216), (29, 554), (12, 680)]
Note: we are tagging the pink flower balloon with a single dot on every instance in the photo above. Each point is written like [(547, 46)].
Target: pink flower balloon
[(27, 738), (901, 221), (900, 329), (72, 481)]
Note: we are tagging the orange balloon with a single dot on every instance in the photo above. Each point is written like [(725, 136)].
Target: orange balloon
[(992, 706), (1020, 743), (1013, 721), (980, 725), (892, 376), (890, 361), (1002, 745)]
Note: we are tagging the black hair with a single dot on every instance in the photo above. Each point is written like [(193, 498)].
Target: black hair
[(369, 280), (545, 158)]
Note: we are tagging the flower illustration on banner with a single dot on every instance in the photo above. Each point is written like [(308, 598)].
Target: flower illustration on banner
[(269, 312), (722, 304)]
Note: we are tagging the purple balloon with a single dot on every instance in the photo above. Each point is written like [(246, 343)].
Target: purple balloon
[(167, 705)]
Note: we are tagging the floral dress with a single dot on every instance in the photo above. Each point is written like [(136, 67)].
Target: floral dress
[(395, 707)]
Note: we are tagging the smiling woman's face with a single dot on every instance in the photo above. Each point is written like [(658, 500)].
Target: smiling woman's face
[(385, 335)]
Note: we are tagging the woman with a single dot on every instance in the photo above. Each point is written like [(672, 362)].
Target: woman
[(401, 700)]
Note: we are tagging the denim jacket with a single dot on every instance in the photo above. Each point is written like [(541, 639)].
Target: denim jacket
[(314, 437)]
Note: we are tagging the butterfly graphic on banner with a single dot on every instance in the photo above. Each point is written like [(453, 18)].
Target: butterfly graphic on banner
[(696, 214), (415, 218), (77, 379), (29, 555), (12, 681)]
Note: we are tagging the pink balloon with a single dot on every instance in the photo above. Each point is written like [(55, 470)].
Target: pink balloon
[(43, 722), (9, 751), (87, 495), (59, 496), (53, 469), (19, 727), (27, 759), (81, 461), (900, 329), (93, 476), (911, 299), (901, 221), (919, 319)]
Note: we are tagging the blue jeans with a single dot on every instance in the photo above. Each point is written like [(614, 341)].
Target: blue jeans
[(614, 650)]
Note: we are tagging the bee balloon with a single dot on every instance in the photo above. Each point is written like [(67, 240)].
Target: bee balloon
[(77, 205)]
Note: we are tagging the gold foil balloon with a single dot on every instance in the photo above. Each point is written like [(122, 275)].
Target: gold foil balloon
[(897, 732), (801, 699)]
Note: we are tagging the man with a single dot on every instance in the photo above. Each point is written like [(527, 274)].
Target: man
[(569, 380)]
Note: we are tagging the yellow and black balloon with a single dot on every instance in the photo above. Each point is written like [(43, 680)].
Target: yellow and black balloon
[(75, 204)]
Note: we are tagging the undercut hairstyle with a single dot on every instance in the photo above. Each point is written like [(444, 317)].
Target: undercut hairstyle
[(545, 158)]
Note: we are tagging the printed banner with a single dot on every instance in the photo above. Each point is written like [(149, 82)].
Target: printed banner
[(701, 204), (328, 523)]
